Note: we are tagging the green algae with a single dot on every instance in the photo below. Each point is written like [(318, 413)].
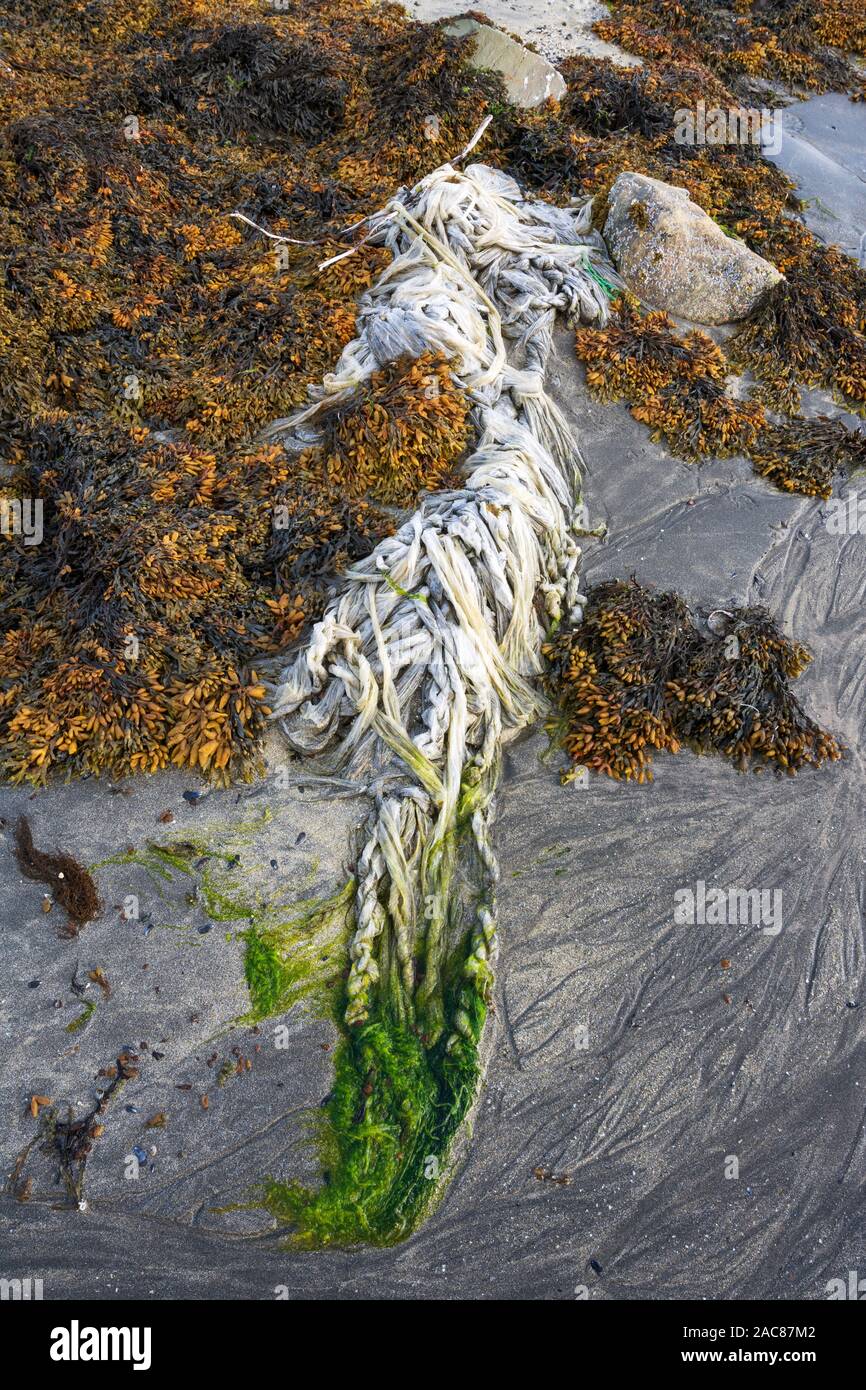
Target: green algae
[(404, 593), (290, 949), (386, 1137), (177, 853), (397, 1103), (287, 960), (226, 903), (83, 1018), (610, 290), (158, 860), (403, 1085)]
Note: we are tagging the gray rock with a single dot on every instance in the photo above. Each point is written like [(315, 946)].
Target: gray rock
[(529, 79), (557, 30), (675, 257)]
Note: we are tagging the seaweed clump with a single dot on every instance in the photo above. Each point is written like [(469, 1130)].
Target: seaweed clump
[(608, 100), (128, 634), (391, 1119), (150, 338), (133, 634), (639, 676), (747, 42), (70, 1142), (71, 884), (806, 455), (127, 142), (809, 329), (675, 383), (248, 78), (402, 431)]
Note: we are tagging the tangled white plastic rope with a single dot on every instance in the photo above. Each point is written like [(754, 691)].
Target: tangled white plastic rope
[(425, 662)]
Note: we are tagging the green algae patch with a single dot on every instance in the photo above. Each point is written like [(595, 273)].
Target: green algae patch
[(287, 960), (82, 1020), (225, 901), (387, 1135), (161, 862), (291, 948), (401, 1095), (404, 1083), (181, 854)]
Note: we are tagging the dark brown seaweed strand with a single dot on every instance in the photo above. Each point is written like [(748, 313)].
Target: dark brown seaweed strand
[(71, 885)]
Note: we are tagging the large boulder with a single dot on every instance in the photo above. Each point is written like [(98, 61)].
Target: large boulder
[(675, 257), (529, 79)]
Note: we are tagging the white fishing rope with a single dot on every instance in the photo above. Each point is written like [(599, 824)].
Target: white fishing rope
[(426, 660)]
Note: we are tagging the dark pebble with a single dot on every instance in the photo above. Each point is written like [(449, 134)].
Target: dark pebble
[(34, 984), (202, 931)]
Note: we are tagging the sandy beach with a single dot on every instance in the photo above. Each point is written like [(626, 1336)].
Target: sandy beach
[(622, 1051)]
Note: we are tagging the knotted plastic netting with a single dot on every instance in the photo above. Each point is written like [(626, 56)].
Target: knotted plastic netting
[(426, 660)]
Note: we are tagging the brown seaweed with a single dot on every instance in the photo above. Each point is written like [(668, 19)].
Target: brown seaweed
[(639, 675), (70, 883), (69, 1142)]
